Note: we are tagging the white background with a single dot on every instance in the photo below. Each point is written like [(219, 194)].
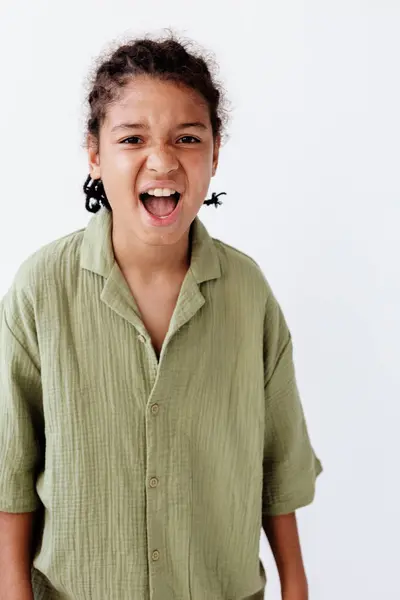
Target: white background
[(312, 174)]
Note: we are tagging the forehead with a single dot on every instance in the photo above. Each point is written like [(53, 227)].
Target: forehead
[(157, 103)]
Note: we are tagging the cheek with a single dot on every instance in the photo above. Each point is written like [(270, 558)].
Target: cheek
[(201, 172), (120, 168), (125, 162), (199, 191)]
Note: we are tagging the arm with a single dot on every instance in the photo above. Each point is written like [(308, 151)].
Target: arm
[(21, 451), (290, 464), (283, 537), (15, 556)]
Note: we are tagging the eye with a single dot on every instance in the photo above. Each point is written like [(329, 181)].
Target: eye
[(133, 137), (189, 137)]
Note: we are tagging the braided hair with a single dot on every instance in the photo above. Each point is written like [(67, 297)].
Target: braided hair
[(165, 59), (96, 196)]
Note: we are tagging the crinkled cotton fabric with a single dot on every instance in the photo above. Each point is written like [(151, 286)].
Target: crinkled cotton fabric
[(150, 477)]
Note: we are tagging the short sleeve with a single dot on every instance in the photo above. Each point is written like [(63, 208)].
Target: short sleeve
[(290, 466), (21, 443)]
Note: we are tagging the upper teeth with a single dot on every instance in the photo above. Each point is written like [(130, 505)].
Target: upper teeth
[(161, 192)]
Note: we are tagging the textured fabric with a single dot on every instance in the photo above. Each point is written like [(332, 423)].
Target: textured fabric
[(151, 478)]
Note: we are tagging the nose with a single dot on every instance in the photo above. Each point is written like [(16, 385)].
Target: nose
[(162, 159)]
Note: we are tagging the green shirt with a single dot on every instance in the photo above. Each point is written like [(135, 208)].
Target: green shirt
[(152, 478)]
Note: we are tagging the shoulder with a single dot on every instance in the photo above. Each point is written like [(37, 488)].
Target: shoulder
[(240, 269), (51, 258), (44, 270), (248, 286)]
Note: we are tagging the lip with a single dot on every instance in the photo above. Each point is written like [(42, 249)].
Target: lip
[(151, 185), (155, 221)]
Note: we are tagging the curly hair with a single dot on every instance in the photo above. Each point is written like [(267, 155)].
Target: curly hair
[(166, 59)]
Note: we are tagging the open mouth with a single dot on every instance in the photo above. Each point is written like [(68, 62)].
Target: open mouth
[(160, 206)]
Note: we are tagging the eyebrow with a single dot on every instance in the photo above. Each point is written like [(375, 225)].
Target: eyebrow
[(195, 124)]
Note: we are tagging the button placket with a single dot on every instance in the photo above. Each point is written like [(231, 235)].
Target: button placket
[(155, 500)]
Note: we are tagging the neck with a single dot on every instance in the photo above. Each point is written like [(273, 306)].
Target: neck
[(150, 262)]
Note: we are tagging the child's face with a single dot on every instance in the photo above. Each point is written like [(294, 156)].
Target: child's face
[(130, 158)]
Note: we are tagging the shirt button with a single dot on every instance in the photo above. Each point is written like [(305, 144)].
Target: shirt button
[(141, 338), (154, 409), (153, 482), (155, 555)]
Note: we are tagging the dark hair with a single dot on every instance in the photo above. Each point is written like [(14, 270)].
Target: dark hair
[(165, 59)]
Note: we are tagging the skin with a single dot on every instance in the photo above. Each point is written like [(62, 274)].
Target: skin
[(128, 158), (16, 556), (283, 537)]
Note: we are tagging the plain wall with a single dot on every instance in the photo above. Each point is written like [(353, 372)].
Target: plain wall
[(311, 172)]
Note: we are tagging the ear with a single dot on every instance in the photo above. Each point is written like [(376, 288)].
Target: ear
[(93, 158), (217, 144)]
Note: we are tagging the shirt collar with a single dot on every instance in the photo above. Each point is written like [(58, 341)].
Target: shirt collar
[(97, 252)]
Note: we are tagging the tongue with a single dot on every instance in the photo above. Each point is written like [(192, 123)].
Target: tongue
[(160, 206)]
